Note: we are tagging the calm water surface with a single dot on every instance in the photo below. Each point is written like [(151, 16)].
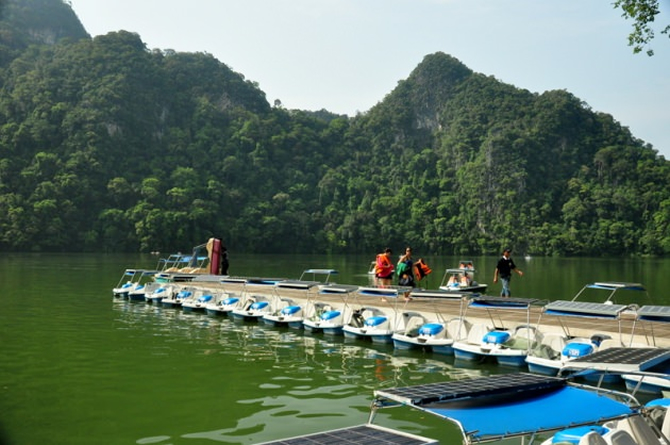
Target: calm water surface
[(78, 367)]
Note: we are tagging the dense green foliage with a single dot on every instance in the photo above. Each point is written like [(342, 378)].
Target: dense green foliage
[(643, 13), (105, 145)]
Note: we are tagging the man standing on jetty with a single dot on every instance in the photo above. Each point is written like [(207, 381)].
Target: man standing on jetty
[(504, 269)]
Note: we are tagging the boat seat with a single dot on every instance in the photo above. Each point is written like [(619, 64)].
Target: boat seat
[(665, 425), (496, 337), (330, 315), (477, 333), (367, 313), (259, 305), (524, 337), (639, 429), (598, 338), (414, 323), (552, 345), (592, 438), (375, 321), (431, 329), (619, 437), (609, 343), (554, 341), (458, 328), (577, 349), (291, 310)]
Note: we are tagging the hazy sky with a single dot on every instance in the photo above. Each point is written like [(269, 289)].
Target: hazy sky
[(346, 55)]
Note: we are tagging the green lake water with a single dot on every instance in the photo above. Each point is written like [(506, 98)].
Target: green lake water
[(78, 367)]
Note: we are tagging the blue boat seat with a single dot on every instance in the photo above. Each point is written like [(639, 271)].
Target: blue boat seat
[(431, 329), (204, 299), (375, 321), (259, 305), (573, 435), (496, 337), (230, 300), (659, 402), (577, 349), (290, 310), (329, 315)]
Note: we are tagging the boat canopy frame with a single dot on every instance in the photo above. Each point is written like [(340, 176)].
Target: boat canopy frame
[(613, 287), (492, 408), (568, 309)]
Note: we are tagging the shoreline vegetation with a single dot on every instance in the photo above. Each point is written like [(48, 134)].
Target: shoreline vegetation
[(108, 146)]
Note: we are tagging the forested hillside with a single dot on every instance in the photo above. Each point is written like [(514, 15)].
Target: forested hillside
[(106, 145)]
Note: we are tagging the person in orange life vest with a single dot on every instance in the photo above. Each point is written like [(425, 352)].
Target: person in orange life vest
[(384, 269)]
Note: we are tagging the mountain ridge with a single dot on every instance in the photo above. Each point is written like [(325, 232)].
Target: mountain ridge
[(106, 145)]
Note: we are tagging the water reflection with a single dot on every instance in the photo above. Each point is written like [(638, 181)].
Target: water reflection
[(299, 375), (102, 371)]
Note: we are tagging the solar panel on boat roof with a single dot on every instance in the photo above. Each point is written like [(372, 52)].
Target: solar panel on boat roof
[(337, 288), (502, 302), (470, 388), (624, 357), (264, 281), (652, 312), (611, 285), (584, 307), (378, 291), (445, 294), (233, 280), (297, 284), (363, 434)]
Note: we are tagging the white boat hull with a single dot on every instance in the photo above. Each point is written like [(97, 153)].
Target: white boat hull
[(329, 322), (442, 346), (492, 347), (375, 335), (648, 384)]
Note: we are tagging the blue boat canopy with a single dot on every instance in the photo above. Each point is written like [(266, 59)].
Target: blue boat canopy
[(390, 292), (616, 285), (512, 405)]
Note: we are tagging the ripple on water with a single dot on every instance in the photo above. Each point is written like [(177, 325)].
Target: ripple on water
[(155, 439)]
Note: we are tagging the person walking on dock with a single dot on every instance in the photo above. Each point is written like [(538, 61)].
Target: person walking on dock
[(504, 270), (225, 263), (384, 268), (405, 269)]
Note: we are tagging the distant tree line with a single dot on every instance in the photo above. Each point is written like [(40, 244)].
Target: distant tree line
[(108, 146)]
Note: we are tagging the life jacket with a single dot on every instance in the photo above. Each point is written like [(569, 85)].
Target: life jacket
[(421, 269), (384, 266)]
